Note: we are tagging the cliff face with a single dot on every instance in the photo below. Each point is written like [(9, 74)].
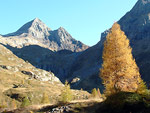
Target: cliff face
[(136, 25)]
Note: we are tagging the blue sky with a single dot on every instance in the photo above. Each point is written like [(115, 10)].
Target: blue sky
[(83, 19)]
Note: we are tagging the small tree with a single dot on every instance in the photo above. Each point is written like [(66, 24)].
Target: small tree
[(66, 95), (25, 102), (45, 99), (94, 93), (22, 81)]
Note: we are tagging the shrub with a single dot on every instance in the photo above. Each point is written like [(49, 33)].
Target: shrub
[(25, 102)]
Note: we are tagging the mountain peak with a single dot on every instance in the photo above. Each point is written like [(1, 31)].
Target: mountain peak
[(35, 28), (36, 31), (61, 28), (37, 20)]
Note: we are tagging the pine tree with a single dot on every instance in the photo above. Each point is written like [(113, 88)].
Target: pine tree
[(45, 99), (119, 71), (66, 95)]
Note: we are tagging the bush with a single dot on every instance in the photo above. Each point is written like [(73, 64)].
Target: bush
[(124, 102), (121, 99)]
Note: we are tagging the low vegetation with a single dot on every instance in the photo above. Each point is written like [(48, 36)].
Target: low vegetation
[(19, 89), (66, 95)]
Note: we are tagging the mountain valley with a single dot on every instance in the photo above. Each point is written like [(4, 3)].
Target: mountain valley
[(36, 60)]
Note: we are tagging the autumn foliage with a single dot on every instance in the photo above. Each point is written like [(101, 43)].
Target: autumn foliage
[(119, 71)]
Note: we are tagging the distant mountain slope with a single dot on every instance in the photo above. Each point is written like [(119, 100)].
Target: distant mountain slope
[(36, 32)]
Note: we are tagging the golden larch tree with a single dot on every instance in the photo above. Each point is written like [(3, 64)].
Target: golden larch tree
[(119, 71)]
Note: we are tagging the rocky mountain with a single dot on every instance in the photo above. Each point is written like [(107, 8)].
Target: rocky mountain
[(36, 32), (35, 28), (136, 25)]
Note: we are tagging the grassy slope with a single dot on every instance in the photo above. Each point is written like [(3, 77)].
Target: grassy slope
[(27, 86)]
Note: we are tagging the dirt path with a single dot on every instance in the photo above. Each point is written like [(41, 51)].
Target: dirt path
[(88, 100), (51, 106)]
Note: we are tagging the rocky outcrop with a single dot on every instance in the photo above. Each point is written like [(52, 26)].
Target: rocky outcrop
[(8, 61)]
